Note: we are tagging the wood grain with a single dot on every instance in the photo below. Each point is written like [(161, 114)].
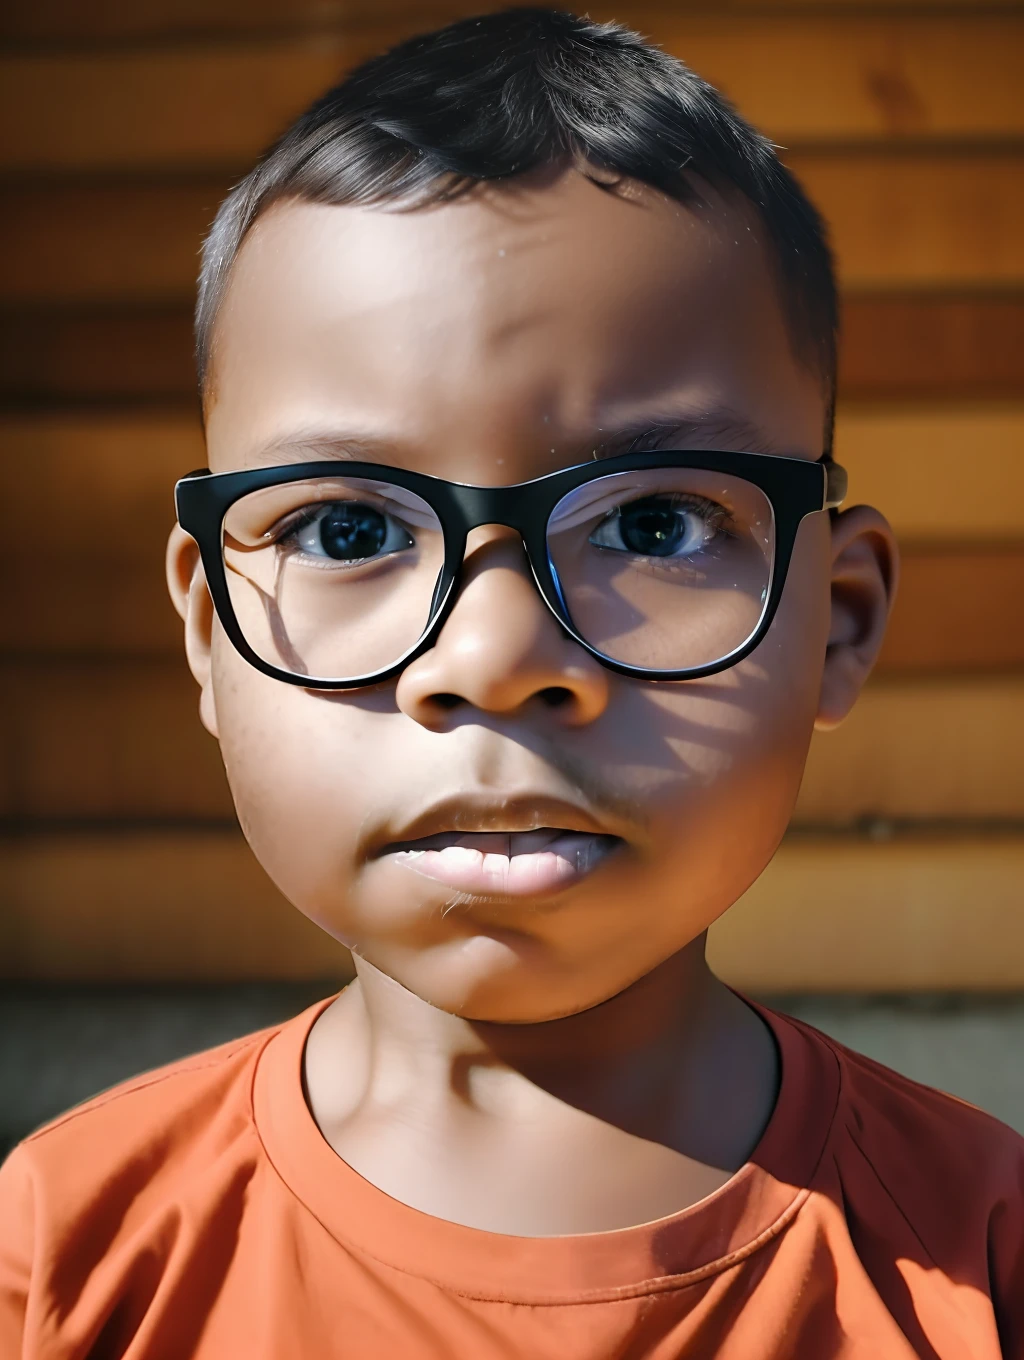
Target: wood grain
[(920, 220), (107, 739), (186, 905), (97, 357), (933, 749), (894, 346), (919, 463), (900, 346), (957, 610), (809, 79), (916, 913), (65, 22), (120, 740), (937, 221), (829, 914), (106, 242)]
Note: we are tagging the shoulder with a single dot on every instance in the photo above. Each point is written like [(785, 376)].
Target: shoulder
[(157, 1107), (123, 1178), (951, 1170), (931, 1191), (897, 1118), (132, 1142)]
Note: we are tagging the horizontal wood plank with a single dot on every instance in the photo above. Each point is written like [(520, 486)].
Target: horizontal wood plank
[(894, 346), (94, 608), (829, 914), (918, 751), (120, 740), (957, 611), (105, 242), (805, 79), (104, 357), (917, 462), (107, 740), (64, 22), (935, 221), (911, 914), (913, 462), (164, 905), (920, 220)]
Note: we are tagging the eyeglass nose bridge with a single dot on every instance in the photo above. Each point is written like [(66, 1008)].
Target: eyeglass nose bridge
[(510, 507)]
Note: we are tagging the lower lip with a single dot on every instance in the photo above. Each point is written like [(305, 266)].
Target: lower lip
[(470, 868)]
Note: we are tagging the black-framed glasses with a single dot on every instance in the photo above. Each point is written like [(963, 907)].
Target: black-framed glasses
[(666, 565)]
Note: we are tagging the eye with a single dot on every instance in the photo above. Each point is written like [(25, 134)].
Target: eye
[(659, 526), (348, 531)]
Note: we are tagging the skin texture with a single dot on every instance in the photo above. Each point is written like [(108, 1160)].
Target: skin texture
[(497, 1056)]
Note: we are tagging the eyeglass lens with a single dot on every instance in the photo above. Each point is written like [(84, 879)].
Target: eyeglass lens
[(334, 578), (664, 568)]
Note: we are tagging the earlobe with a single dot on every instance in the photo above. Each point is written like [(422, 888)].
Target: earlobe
[(186, 582), (865, 565)]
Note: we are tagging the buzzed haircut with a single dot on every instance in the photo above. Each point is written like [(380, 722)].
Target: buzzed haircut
[(495, 97)]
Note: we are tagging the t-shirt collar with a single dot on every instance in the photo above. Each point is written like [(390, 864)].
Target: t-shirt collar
[(749, 1210)]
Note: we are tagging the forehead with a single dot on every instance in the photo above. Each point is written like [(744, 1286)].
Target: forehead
[(507, 325)]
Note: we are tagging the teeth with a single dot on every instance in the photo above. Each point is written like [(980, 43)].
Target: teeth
[(574, 847), (545, 862)]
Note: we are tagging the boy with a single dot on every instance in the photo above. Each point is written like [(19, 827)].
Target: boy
[(516, 591)]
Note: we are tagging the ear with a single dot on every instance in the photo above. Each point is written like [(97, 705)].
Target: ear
[(865, 567), (190, 596)]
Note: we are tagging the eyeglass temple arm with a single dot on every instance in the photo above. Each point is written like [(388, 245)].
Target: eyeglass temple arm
[(835, 483)]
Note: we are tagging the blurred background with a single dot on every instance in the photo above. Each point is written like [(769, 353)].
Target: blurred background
[(134, 924)]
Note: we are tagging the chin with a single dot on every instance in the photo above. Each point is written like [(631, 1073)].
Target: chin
[(495, 976)]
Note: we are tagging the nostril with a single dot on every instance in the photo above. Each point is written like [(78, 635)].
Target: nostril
[(556, 696), (447, 701)]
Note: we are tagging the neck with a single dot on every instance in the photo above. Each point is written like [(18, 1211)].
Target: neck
[(673, 1078)]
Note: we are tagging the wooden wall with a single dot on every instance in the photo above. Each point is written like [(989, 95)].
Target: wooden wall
[(122, 122)]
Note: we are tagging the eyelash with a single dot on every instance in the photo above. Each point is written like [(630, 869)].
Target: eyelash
[(713, 513)]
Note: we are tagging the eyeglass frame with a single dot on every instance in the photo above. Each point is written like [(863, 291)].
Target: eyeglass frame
[(793, 487)]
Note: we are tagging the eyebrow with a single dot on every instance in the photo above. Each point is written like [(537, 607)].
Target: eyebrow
[(310, 446), (647, 433), (723, 426)]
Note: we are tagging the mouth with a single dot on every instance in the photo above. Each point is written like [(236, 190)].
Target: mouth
[(516, 848), (505, 863)]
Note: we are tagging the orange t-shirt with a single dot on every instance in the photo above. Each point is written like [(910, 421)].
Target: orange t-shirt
[(198, 1212)]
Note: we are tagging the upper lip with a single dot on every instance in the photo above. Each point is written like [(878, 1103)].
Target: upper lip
[(490, 811)]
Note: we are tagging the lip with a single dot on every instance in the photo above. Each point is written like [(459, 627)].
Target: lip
[(519, 845)]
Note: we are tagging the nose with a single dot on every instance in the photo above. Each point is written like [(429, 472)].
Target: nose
[(501, 650)]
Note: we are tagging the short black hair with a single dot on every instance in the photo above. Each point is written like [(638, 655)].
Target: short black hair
[(490, 98)]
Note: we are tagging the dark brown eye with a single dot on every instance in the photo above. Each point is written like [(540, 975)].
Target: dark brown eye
[(656, 526), (350, 531)]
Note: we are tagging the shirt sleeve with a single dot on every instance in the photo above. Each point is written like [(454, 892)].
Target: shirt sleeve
[(1006, 1265), (16, 1243)]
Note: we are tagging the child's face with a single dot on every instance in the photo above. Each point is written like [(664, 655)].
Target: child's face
[(490, 341)]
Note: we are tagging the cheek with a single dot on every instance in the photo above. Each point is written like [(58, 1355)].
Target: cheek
[(739, 740), (292, 761)]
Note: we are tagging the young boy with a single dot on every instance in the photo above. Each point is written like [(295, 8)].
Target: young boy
[(514, 595)]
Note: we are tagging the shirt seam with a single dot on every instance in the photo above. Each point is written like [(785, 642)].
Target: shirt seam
[(833, 1118), (657, 1285), (891, 1197), (142, 1084)]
